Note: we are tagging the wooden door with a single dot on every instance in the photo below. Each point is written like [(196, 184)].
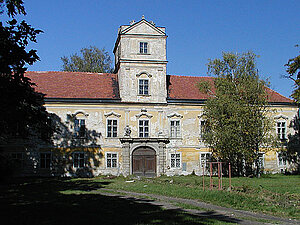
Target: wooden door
[(144, 162)]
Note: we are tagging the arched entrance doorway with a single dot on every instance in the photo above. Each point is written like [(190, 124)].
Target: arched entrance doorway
[(144, 162)]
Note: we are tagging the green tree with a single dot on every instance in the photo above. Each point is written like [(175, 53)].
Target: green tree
[(237, 113), (92, 59), (22, 111), (293, 70)]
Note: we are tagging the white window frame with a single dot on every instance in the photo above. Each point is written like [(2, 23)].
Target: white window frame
[(284, 162), (77, 130), (262, 158), (281, 131), (45, 160), (117, 127), (143, 132), (73, 158), (201, 129), (143, 90), (205, 164), (107, 158), (143, 47), (175, 162), (176, 128)]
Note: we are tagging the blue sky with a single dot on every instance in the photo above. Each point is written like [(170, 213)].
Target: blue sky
[(197, 31)]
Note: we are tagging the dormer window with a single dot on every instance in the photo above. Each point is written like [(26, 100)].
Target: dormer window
[(143, 47), (143, 87)]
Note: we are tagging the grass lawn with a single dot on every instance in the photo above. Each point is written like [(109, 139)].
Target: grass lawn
[(54, 201), (277, 195), (70, 201)]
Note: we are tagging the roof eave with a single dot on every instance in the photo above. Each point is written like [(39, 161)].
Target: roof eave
[(82, 100)]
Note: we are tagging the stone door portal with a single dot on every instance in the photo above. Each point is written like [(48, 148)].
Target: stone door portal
[(144, 162)]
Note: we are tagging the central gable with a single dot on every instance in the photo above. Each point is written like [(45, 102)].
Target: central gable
[(143, 27)]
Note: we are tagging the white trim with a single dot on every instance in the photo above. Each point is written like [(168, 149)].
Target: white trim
[(148, 115), (263, 159), (84, 159), (286, 162), (106, 128), (112, 113), (204, 153), (117, 163), (138, 86), (79, 112), (200, 129), (143, 72), (138, 128), (175, 114), (170, 155), (281, 116), (177, 136), (138, 23), (285, 129)]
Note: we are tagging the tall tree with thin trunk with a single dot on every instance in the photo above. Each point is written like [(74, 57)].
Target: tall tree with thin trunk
[(237, 115)]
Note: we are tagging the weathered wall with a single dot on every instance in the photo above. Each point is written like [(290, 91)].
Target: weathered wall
[(188, 144)]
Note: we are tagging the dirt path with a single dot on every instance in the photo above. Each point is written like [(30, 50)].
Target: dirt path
[(209, 210)]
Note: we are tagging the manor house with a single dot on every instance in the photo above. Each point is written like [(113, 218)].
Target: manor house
[(137, 120)]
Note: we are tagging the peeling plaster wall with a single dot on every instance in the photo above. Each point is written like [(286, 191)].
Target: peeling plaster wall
[(134, 65), (189, 145)]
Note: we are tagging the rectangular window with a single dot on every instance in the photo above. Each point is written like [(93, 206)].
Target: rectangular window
[(281, 130), (78, 160), (175, 128), (18, 158), (175, 160), (143, 87), (45, 160), (143, 47), (205, 157), (201, 128), (261, 160), (79, 127), (112, 128), (144, 128), (111, 160), (282, 159)]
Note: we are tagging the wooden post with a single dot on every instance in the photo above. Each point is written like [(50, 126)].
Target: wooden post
[(211, 181), (219, 176), (229, 177), (203, 178)]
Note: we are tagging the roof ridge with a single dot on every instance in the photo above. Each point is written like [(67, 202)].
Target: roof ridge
[(66, 72), (190, 76)]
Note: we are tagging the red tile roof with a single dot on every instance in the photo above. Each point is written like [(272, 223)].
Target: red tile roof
[(185, 87), (105, 86), (75, 84)]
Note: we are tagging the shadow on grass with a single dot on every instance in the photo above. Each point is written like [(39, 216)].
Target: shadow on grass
[(55, 201)]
